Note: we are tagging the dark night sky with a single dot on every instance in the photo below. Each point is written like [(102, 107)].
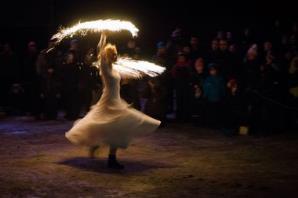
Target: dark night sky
[(155, 18), (39, 12)]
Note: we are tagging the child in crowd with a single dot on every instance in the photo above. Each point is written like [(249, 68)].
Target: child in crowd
[(214, 92)]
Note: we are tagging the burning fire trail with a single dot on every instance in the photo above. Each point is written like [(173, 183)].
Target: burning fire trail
[(127, 67), (96, 26), (130, 68)]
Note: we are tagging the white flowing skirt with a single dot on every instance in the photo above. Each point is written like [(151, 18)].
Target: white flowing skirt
[(114, 123)]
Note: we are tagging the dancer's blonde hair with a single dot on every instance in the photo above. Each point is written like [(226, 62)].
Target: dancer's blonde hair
[(108, 53)]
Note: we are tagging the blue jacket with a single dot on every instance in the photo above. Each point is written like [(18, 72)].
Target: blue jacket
[(214, 88)]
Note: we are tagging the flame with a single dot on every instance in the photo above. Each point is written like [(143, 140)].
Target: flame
[(127, 67), (131, 68), (96, 26)]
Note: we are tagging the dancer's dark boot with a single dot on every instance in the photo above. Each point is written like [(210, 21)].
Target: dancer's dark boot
[(92, 151), (113, 163)]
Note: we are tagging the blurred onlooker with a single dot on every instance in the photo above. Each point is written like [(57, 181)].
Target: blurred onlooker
[(74, 47), (129, 93), (29, 68), (267, 51), (197, 83), (293, 80), (250, 80), (270, 87), (175, 43), (268, 48), (16, 97), (293, 90), (233, 107), (177, 36), (70, 71), (162, 58), (195, 48), (270, 78), (132, 50), (213, 51), (229, 37), (198, 74), (214, 92), (186, 50), (214, 88), (9, 73), (293, 38), (247, 39), (88, 80), (220, 35), (181, 73), (276, 34), (236, 62), (30, 78), (251, 68), (155, 105), (224, 59), (49, 92)]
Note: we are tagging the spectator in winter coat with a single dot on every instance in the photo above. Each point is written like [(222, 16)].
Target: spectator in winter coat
[(214, 91), (181, 75)]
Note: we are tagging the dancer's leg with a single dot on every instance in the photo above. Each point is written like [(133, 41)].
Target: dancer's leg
[(112, 161), (113, 150), (92, 151)]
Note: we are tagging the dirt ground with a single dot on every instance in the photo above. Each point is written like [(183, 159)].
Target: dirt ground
[(179, 160)]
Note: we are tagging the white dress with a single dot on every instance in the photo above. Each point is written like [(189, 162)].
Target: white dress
[(111, 120)]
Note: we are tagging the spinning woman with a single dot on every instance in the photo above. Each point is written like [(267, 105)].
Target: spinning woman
[(111, 120)]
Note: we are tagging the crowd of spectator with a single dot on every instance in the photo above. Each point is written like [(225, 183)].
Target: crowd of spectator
[(236, 80)]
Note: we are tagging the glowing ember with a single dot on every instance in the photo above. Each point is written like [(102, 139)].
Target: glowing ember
[(96, 26)]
